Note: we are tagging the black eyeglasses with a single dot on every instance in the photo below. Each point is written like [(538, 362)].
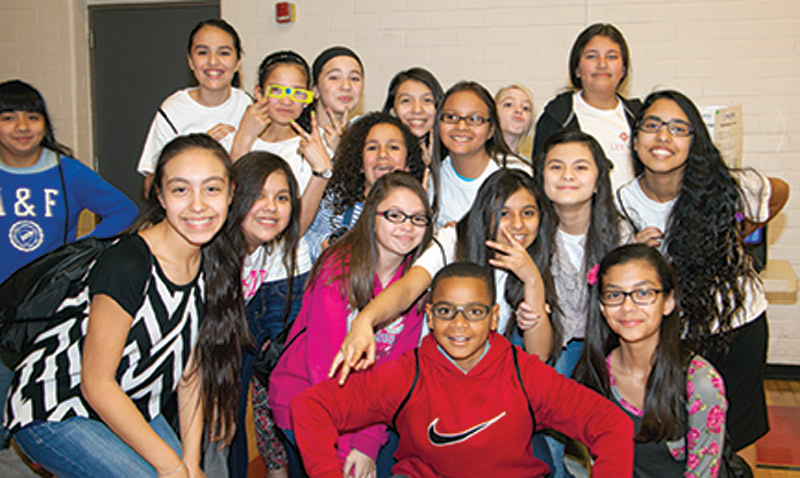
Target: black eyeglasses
[(471, 120), (676, 127), (474, 311), (397, 216), (615, 298)]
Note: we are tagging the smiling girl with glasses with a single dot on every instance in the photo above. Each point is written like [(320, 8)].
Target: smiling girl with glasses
[(499, 231), (634, 357), (359, 265), (468, 147), (696, 210)]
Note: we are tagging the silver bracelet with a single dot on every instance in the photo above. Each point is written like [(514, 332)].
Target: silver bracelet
[(179, 468)]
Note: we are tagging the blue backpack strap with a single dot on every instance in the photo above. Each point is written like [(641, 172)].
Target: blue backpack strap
[(521, 384), (410, 390)]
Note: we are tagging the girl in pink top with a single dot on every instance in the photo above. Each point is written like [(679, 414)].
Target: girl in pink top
[(391, 232)]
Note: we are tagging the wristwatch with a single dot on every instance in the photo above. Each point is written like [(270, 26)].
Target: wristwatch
[(324, 174)]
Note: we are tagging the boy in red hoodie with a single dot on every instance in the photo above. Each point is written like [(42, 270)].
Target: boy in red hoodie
[(466, 402)]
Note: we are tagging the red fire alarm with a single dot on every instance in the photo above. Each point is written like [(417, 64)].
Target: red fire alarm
[(284, 12)]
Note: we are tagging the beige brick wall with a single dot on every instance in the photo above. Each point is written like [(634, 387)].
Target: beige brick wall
[(718, 52)]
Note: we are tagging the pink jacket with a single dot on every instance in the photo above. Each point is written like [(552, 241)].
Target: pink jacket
[(306, 362)]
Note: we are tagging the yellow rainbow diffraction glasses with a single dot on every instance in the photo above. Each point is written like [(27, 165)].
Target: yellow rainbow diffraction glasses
[(297, 95)]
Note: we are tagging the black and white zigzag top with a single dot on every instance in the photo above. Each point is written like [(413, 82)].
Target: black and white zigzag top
[(166, 317)]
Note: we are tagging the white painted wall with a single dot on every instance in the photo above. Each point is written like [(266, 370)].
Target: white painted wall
[(718, 52)]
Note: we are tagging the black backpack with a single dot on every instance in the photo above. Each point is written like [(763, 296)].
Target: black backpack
[(272, 351), (31, 298)]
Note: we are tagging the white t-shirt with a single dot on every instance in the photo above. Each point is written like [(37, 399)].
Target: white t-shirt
[(457, 194), (265, 265), (756, 191), (435, 258), (287, 149), (189, 116), (611, 129)]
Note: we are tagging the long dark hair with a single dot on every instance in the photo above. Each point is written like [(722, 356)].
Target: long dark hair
[(346, 186), (496, 147), (252, 170), (16, 95), (355, 255), (227, 28), (603, 233), (416, 74), (223, 331), (482, 222), (598, 29), (703, 238), (665, 392)]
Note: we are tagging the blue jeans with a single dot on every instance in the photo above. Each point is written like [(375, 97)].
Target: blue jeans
[(564, 365), (81, 447), (265, 318)]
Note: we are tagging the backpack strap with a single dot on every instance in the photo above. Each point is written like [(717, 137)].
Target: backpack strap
[(169, 121), (410, 390), (522, 385)]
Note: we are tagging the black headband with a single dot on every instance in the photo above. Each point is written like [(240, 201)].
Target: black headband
[(331, 53)]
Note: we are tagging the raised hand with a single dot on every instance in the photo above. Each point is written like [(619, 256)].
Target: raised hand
[(336, 127), (311, 146), (256, 118), (513, 257), (254, 121)]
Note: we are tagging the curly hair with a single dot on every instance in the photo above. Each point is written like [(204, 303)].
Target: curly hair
[(602, 236), (665, 391), (347, 184), (703, 238), (482, 222)]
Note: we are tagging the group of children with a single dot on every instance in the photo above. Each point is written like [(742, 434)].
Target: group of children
[(421, 238)]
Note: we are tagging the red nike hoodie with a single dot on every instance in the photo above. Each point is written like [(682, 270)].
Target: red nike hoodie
[(458, 424)]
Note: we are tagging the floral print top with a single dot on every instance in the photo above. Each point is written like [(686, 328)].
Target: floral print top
[(706, 407)]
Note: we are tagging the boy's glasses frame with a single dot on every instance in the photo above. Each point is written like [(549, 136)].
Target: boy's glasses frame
[(298, 95), (615, 298), (472, 312)]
